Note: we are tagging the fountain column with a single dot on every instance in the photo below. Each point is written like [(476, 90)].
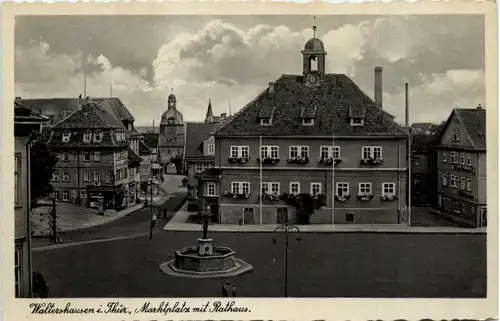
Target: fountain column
[(204, 243)]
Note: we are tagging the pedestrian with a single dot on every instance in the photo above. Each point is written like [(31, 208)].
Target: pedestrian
[(233, 291), (225, 289)]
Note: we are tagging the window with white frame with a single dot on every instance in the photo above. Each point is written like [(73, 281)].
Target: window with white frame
[(294, 188), (388, 189), (469, 184), (457, 207), (65, 157), (357, 121), (270, 188), (65, 196), (199, 168), (462, 183), (211, 149), (456, 136), (469, 160), (240, 187), (97, 156), (56, 194), (315, 188), (86, 157), (330, 152), (65, 177), (454, 158), (377, 152), (453, 181), (210, 189), (87, 176), (342, 189), (87, 137), (65, 137), (308, 121), (98, 137), (366, 152), (240, 151), (268, 151), (17, 179), (445, 157), (364, 189), (299, 151), (462, 159), (445, 180), (17, 271), (55, 176), (97, 176)]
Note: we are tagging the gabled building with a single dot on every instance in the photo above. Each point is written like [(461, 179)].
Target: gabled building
[(171, 140), (462, 167), (151, 141), (93, 166), (26, 122), (314, 133), (424, 169)]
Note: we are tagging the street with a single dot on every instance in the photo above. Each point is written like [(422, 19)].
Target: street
[(321, 265)]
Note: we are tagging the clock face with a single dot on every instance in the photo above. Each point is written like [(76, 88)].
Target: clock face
[(312, 79), (170, 120)]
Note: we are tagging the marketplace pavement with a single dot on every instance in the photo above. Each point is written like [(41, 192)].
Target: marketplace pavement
[(321, 265)]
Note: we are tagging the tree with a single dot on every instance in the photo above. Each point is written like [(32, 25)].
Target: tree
[(305, 204), (178, 161), (40, 287), (43, 163)]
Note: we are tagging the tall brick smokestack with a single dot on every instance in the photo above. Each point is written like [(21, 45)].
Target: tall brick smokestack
[(378, 86)]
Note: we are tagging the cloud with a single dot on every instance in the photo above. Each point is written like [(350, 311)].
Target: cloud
[(231, 64)]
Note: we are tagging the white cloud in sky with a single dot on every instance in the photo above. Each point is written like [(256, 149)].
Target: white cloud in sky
[(226, 63)]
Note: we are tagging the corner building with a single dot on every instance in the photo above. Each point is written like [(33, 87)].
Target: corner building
[(314, 133)]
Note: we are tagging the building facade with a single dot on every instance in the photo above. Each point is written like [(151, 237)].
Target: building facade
[(93, 165), (315, 134), (462, 167), (25, 123), (424, 169)]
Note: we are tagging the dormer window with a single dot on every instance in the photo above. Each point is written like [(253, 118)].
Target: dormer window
[(265, 121), (87, 137), (308, 121), (211, 149), (357, 115), (357, 122), (98, 137), (65, 137)]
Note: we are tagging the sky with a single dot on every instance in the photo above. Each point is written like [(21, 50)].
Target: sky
[(231, 59)]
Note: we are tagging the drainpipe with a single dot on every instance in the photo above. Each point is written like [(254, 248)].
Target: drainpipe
[(31, 140)]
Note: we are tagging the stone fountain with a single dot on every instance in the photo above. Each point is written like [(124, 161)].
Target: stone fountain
[(205, 260)]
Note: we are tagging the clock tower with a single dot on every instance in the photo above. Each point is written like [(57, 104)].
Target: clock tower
[(313, 57)]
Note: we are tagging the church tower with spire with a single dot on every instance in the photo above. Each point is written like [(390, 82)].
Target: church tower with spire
[(313, 57), (209, 118)]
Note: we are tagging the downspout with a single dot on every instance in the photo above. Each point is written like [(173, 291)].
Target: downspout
[(399, 181), (28, 211)]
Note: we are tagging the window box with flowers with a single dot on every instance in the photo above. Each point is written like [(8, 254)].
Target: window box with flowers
[(329, 160), (372, 161), (365, 197), (236, 195), (239, 160), (270, 197), (298, 160), (268, 161), (388, 197), (342, 198)]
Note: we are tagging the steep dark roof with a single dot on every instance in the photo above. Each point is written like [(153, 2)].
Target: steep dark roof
[(151, 139), (335, 99), (53, 107), (143, 149), (133, 133), (211, 173), (91, 116), (115, 107), (196, 133), (474, 121), (22, 113), (423, 143), (133, 158)]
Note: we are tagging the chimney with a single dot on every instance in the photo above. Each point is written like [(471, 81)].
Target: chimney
[(223, 116), (378, 86), (18, 98), (271, 87), (479, 106)]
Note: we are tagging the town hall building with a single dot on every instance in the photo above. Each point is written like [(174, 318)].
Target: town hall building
[(314, 133)]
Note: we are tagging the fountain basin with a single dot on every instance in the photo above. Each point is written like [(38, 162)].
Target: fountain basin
[(188, 259)]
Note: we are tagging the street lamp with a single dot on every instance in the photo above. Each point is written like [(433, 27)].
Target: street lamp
[(287, 228)]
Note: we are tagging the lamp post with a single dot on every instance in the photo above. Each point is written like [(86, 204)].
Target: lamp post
[(153, 221), (287, 228)]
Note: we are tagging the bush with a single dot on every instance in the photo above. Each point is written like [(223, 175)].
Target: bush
[(184, 181)]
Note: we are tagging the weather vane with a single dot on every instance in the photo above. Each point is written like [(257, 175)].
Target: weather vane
[(314, 26)]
